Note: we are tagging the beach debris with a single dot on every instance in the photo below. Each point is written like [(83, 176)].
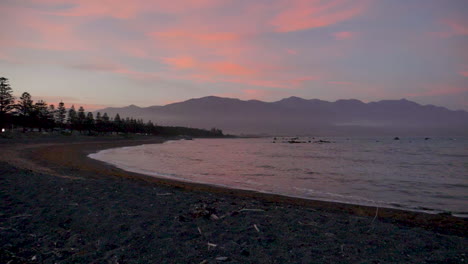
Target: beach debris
[(202, 210), (376, 213), (20, 216), (204, 261), (256, 228), (222, 258), (250, 210), (342, 249), (375, 217), (199, 230), (246, 210), (163, 194), (396, 138), (211, 245), (214, 217)]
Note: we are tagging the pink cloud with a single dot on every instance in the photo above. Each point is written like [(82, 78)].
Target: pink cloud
[(344, 35), (181, 62), (122, 9), (229, 68), (464, 73), (221, 68), (213, 37), (128, 9), (106, 66), (457, 27), (184, 40), (306, 14), (40, 31), (291, 51), (133, 51)]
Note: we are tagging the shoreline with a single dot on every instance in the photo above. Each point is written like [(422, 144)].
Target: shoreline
[(370, 204), (77, 157), (58, 205)]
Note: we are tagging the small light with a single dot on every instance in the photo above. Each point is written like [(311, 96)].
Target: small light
[(3, 130)]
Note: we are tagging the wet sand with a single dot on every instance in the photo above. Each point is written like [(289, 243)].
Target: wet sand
[(57, 205)]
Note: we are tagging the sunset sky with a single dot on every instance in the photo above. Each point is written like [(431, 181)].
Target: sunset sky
[(100, 53)]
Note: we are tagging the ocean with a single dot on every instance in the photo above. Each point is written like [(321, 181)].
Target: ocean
[(429, 175)]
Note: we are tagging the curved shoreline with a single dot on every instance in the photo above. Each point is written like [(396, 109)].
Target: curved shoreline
[(71, 158), (169, 176)]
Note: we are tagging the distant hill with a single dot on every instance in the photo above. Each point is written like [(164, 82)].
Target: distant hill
[(297, 116)]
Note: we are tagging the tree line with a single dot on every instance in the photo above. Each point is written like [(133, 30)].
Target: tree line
[(29, 115)]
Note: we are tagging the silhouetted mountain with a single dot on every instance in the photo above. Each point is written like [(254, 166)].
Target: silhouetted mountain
[(299, 116)]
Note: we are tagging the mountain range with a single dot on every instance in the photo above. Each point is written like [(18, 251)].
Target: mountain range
[(298, 116)]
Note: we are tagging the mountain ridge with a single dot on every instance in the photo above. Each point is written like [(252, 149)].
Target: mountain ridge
[(295, 115)]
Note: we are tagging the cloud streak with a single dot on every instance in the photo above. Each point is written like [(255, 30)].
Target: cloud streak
[(307, 14)]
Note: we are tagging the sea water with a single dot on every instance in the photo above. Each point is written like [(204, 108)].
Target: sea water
[(419, 174)]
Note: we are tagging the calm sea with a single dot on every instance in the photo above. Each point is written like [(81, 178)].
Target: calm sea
[(410, 173)]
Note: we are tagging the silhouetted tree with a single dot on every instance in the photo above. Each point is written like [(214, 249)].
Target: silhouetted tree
[(50, 123), (7, 102), (105, 118), (25, 104), (60, 115), (81, 119), (41, 115), (98, 123), (118, 124), (72, 118), (24, 110), (89, 122)]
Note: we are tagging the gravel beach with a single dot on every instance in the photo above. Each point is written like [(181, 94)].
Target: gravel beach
[(59, 206)]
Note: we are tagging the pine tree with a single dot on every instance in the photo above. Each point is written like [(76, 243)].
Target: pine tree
[(117, 118), (81, 119), (98, 122), (98, 116), (25, 105), (118, 124), (105, 123), (89, 122), (60, 115), (7, 99), (72, 118), (25, 110), (41, 114), (105, 118), (51, 116)]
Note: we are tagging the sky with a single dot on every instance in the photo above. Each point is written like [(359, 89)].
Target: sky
[(99, 53)]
